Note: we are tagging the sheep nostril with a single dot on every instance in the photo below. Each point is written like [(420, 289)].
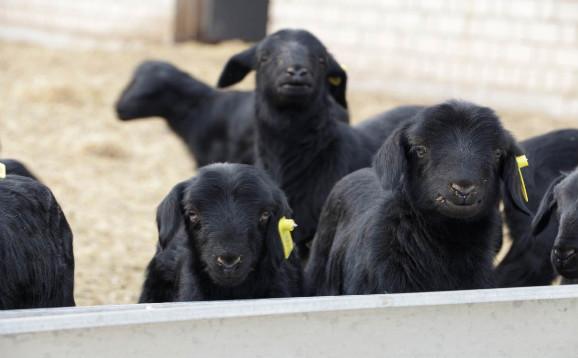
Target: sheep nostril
[(229, 262), (564, 253), (296, 71), (463, 189)]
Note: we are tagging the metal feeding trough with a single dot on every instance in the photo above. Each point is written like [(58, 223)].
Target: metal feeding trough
[(520, 322)]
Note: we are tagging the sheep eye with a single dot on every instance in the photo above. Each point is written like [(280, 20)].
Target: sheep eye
[(193, 216), (322, 60), (264, 217), (497, 154), (420, 150), (264, 57)]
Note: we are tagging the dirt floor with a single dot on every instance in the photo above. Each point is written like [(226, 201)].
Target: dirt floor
[(109, 176)]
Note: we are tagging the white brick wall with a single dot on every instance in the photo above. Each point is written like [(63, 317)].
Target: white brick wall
[(87, 21), (519, 55)]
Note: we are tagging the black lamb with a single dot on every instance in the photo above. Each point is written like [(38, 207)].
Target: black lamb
[(36, 258), (217, 126), (425, 217), (301, 138), (527, 263), (561, 201), (219, 239)]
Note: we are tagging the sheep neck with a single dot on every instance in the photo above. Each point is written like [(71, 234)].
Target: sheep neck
[(451, 233), (187, 111), (287, 140)]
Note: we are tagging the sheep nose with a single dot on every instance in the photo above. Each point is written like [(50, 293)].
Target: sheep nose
[(463, 189), (229, 261), (563, 253), (294, 71)]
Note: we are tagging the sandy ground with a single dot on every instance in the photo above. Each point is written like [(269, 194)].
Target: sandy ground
[(109, 176)]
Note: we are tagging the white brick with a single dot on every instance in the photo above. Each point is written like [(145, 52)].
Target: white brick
[(526, 9), (546, 9), (498, 7), (532, 79), (387, 40), (567, 57), (367, 18), (432, 5), (446, 24), (567, 10), (552, 81), (543, 32), (407, 20), (518, 53), (480, 7), (498, 28), (568, 83), (569, 34), (456, 47), (427, 69)]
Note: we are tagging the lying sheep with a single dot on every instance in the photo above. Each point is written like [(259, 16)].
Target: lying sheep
[(527, 263), (37, 262), (300, 139), (217, 126), (219, 239), (425, 217), (561, 199), (17, 168)]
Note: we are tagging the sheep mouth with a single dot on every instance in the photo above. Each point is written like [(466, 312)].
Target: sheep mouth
[(232, 279), (460, 206), (566, 270), (296, 87), (567, 267)]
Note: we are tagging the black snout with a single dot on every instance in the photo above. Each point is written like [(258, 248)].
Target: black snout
[(463, 189), (297, 71), (229, 261), (564, 253)]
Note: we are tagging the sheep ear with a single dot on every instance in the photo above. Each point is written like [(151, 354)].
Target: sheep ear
[(547, 205), (170, 215), (337, 78), (390, 161), (274, 245), (238, 67), (511, 177)]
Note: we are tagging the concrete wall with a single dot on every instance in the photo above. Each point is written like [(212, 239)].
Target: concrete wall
[(519, 55), (516, 322)]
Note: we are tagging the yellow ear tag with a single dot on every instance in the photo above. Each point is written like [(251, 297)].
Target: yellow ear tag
[(285, 228), (522, 162), (335, 81), (2, 170)]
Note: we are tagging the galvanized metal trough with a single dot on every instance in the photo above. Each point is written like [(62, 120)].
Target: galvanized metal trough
[(518, 322)]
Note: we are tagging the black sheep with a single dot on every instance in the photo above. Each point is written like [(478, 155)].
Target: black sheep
[(17, 168), (301, 139), (219, 239), (36, 258), (527, 263), (561, 200), (425, 217), (217, 126)]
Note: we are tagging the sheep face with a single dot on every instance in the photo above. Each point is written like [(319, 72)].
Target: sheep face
[(561, 198), (230, 216), (452, 157), (148, 90), (293, 68)]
